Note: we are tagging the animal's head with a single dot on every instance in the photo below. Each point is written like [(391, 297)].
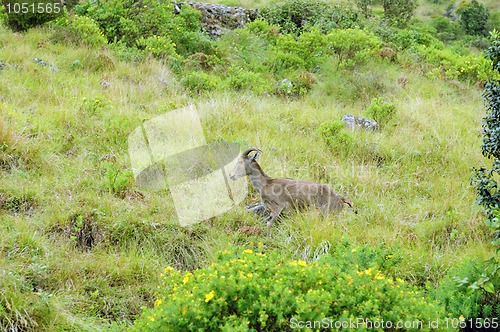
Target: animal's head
[(245, 163)]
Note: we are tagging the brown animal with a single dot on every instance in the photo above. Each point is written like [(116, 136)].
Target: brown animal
[(279, 194)]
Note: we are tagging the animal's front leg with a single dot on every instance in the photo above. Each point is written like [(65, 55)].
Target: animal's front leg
[(275, 212), (257, 208)]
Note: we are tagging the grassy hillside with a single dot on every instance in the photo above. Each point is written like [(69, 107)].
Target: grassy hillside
[(81, 246)]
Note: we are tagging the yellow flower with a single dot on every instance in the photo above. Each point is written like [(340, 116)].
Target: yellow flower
[(248, 251), (157, 302), (301, 263), (462, 318), (209, 296)]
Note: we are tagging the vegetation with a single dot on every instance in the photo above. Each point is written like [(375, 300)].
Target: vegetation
[(83, 248)]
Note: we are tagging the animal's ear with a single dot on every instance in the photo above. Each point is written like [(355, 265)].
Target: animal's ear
[(255, 156)]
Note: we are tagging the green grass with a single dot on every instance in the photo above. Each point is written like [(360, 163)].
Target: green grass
[(76, 255)]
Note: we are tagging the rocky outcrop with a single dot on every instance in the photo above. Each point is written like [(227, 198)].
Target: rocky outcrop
[(215, 18), (352, 121)]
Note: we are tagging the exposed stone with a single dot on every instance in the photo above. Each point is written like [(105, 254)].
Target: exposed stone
[(402, 80), (216, 18), (42, 63), (352, 121)]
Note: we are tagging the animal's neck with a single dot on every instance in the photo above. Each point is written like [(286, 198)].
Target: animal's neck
[(258, 177)]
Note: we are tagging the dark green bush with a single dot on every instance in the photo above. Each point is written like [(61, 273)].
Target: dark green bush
[(446, 30), (75, 29), (148, 25), (336, 137), (296, 16), (199, 81), (380, 111), (463, 292), (399, 12), (474, 18), (25, 14), (260, 291)]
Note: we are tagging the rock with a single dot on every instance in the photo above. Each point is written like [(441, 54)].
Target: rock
[(387, 53), (216, 18), (44, 64), (285, 86), (40, 62), (352, 121), (3, 65), (402, 80)]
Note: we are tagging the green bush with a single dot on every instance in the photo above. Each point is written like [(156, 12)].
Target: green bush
[(335, 136), (240, 79), (352, 46), (198, 81), (3, 15), (446, 30), (380, 111), (257, 291), (399, 12), (77, 29), (149, 25), (298, 53), (118, 180), (25, 14), (297, 16), (462, 294), (474, 18)]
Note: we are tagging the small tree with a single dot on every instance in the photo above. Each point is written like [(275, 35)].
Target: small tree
[(484, 179), (399, 12), (364, 7), (474, 18)]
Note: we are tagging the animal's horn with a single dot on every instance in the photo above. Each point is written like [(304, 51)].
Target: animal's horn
[(245, 153)]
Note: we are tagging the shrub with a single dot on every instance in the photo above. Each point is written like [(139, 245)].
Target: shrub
[(149, 25), (118, 180), (297, 16), (363, 6), (380, 111), (474, 18), (485, 180), (352, 46), (463, 296), (399, 12), (256, 291), (158, 46), (446, 30), (198, 81), (240, 79), (296, 53), (3, 15), (77, 29), (25, 14), (335, 136)]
